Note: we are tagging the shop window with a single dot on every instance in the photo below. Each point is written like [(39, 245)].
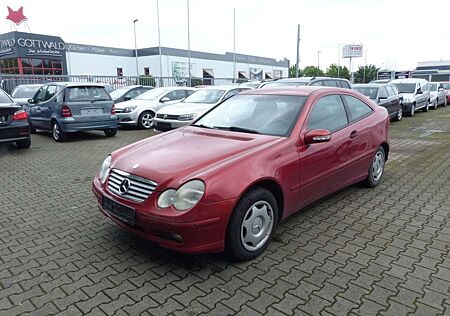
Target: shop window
[(147, 71), (119, 72), (28, 71), (242, 75)]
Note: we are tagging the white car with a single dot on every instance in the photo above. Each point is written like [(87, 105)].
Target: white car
[(183, 113), (141, 110), (438, 95)]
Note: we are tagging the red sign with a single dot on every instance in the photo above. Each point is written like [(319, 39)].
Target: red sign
[(16, 16)]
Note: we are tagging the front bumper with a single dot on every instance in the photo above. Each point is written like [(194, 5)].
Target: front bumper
[(199, 230), (129, 118), (12, 133), (166, 125)]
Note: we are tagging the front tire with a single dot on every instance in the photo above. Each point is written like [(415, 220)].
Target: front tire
[(24, 143), (251, 225), (146, 120), (412, 111), (58, 134), (110, 132), (435, 105), (376, 168), (399, 115), (427, 107)]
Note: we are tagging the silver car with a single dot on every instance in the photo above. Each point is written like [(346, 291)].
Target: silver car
[(141, 110), (438, 95), (183, 113)]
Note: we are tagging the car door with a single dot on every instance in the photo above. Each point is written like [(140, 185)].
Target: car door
[(383, 99), (394, 101), (321, 164), (35, 112), (48, 106)]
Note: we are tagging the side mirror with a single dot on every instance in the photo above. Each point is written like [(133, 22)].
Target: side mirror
[(127, 98), (165, 99), (317, 136), (419, 91), (31, 101), (382, 98), (441, 89)]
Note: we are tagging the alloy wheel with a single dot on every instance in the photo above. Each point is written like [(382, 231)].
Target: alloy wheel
[(147, 120), (378, 166), (56, 131)]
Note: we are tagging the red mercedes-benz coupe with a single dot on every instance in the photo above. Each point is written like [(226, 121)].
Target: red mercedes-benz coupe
[(224, 182)]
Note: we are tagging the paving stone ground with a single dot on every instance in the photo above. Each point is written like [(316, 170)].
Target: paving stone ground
[(382, 251)]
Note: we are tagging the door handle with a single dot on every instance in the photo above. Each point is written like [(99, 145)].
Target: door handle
[(353, 134)]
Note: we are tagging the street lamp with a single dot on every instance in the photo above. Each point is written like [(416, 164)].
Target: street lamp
[(318, 61), (135, 48)]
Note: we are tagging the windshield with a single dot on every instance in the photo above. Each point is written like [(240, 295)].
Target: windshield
[(370, 92), (116, 94), (260, 114), (406, 87), (284, 84), (446, 85), (433, 86), (150, 95), (209, 96), (25, 91)]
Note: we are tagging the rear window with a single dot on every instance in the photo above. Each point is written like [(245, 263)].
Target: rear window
[(89, 93)]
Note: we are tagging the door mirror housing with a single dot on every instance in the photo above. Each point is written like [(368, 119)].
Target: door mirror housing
[(31, 101), (441, 89), (127, 98), (317, 136), (165, 99), (419, 91)]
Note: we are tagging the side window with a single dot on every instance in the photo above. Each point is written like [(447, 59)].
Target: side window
[(40, 94), (133, 93), (51, 90), (189, 92), (330, 83), (344, 84), (390, 91), (328, 113), (317, 83), (358, 109), (382, 93), (175, 95), (394, 88), (230, 94)]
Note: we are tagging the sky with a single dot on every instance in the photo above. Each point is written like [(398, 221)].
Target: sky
[(396, 34)]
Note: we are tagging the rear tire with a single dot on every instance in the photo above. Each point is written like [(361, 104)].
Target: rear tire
[(427, 107), (146, 120), (58, 134), (399, 115), (376, 169), (251, 225), (435, 105), (24, 143), (110, 132)]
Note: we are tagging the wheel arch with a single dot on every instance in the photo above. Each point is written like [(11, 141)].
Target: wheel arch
[(386, 149)]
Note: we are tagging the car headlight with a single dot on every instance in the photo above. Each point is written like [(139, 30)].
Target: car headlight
[(129, 109), (104, 169), (187, 117), (186, 197)]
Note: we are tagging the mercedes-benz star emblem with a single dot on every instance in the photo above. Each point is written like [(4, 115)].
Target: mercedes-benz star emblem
[(165, 116), (124, 186)]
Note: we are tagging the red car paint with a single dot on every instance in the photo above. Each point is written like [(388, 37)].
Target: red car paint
[(230, 163)]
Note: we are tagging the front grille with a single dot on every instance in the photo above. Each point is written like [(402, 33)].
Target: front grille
[(167, 116), (118, 110), (139, 188)]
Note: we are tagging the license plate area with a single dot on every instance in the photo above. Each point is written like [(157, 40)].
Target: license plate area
[(91, 112), (121, 212)]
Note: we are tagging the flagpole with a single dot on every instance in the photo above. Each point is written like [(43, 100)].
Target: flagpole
[(234, 43), (159, 46), (189, 43)]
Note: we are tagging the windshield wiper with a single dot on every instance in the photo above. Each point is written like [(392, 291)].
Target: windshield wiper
[(238, 129), (202, 126)]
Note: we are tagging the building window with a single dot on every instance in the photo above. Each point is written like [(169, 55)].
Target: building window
[(34, 66), (9, 66), (208, 77), (119, 72), (146, 71), (242, 75)]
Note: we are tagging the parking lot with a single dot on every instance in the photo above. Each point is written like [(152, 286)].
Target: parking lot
[(359, 251)]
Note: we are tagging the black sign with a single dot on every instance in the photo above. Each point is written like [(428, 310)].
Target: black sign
[(402, 74), (384, 75)]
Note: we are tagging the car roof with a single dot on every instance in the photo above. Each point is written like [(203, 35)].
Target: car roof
[(77, 84), (31, 85), (226, 87), (370, 85), (300, 91), (408, 80)]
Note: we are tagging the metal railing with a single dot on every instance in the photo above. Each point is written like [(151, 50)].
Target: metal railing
[(8, 81)]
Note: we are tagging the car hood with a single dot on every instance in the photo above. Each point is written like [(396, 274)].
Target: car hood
[(21, 101), (175, 157), (186, 108), (134, 102), (408, 96)]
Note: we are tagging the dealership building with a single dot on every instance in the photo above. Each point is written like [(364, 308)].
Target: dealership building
[(37, 54), (433, 70)]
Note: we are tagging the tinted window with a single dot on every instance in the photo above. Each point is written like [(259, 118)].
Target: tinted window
[(317, 83), (40, 95), (176, 95), (406, 87), (264, 114), (189, 92), (382, 93), (88, 93), (358, 109), (133, 93), (344, 84), (394, 88), (370, 92), (328, 113), (330, 83)]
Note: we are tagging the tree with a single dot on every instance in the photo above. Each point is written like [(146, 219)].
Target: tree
[(292, 72), (332, 71), (365, 74), (311, 71)]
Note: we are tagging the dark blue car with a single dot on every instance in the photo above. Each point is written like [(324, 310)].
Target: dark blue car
[(14, 125), (68, 107)]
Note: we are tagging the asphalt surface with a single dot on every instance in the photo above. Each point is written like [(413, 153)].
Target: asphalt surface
[(359, 251)]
